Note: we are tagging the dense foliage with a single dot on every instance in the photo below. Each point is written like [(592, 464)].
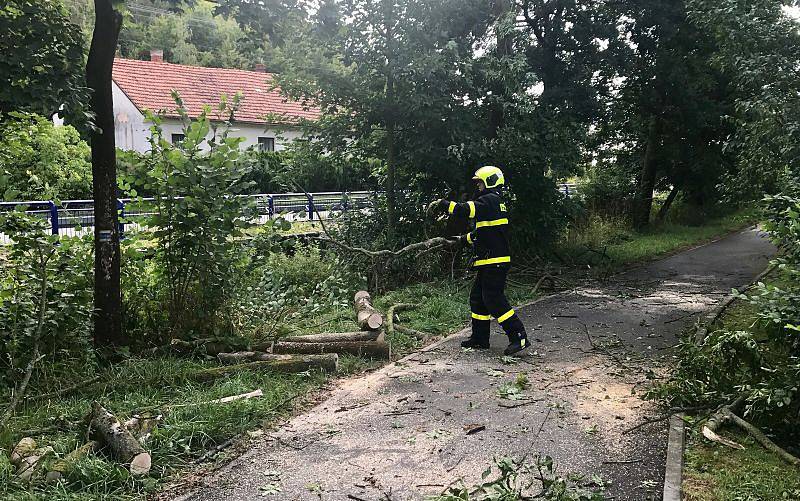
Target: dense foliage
[(40, 161), (760, 360), (41, 70)]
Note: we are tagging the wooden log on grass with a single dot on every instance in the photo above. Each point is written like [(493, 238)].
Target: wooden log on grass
[(369, 319), (28, 458), (287, 364), (335, 337), (123, 446), (373, 349)]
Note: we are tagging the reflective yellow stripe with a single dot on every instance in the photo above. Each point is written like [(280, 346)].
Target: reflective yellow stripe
[(469, 238), (477, 316), (505, 316), (494, 260), (471, 209), (503, 207), (451, 208), (496, 222)]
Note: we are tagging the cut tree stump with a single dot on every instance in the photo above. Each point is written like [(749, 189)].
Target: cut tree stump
[(123, 445), (334, 337), (276, 363), (369, 319), (374, 349)]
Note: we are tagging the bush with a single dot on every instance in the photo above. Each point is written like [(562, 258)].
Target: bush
[(196, 224), (39, 161), (45, 297)]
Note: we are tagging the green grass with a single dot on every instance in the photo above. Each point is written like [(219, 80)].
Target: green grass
[(190, 427), (622, 246), (715, 472)]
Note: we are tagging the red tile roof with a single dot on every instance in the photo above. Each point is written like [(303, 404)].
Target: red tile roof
[(149, 86)]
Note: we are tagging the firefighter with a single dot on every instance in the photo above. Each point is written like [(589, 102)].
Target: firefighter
[(492, 261)]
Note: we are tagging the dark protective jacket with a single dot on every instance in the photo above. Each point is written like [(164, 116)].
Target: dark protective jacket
[(489, 238)]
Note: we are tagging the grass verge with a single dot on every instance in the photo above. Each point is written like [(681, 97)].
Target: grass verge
[(715, 472)]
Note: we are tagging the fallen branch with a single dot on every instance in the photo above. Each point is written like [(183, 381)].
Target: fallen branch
[(762, 439), (390, 313), (664, 417), (718, 419), (285, 364), (334, 337), (419, 248), (374, 349), (422, 336)]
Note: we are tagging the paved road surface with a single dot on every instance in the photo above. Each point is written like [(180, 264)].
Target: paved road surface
[(398, 433)]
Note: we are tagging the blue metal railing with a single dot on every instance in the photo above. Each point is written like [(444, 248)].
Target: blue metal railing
[(76, 217)]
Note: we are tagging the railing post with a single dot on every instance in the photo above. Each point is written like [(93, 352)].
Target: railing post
[(270, 206), (310, 207), (53, 216), (120, 215)]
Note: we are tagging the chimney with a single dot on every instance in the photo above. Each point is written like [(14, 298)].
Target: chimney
[(157, 55), (259, 67)]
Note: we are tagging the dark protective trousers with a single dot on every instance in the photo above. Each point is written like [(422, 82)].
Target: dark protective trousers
[(488, 300)]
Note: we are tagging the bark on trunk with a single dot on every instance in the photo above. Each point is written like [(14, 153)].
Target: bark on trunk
[(643, 202), (107, 297), (369, 319), (662, 213), (123, 445), (276, 363), (373, 349)]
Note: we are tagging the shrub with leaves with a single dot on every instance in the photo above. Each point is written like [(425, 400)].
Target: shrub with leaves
[(45, 297), (197, 218)]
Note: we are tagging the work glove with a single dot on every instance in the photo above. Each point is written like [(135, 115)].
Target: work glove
[(435, 206)]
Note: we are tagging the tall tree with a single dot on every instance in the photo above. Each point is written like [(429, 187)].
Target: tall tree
[(107, 296), (385, 78)]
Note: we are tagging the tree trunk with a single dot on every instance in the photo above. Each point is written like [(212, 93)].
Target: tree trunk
[(123, 446), (239, 357), (643, 202), (276, 363), (107, 297), (662, 213), (373, 349), (369, 319)]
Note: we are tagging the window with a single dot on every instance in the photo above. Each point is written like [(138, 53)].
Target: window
[(177, 138), (266, 144)]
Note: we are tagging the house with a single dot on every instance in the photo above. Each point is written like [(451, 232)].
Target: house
[(147, 85)]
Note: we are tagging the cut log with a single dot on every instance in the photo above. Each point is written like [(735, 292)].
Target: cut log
[(284, 363), (23, 448), (250, 356), (374, 349), (123, 445), (30, 464), (369, 319), (243, 396), (142, 425), (63, 466), (335, 337), (208, 346)]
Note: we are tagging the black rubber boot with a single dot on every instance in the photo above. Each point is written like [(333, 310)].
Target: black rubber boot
[(517, 343), (477, 344)]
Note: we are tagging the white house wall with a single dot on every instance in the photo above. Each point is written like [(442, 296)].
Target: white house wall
[(132, 132)]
